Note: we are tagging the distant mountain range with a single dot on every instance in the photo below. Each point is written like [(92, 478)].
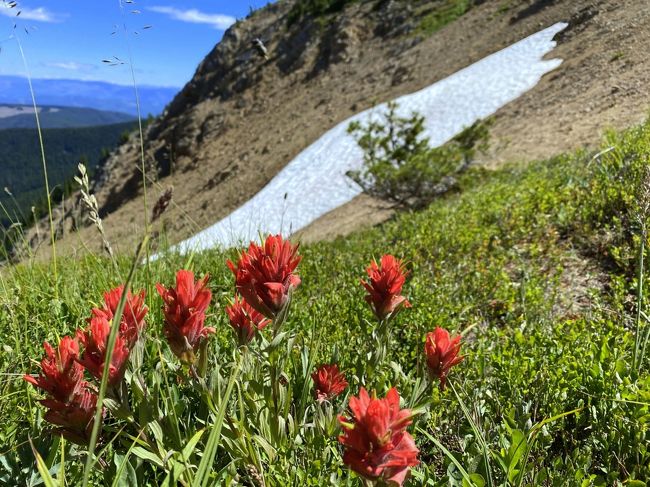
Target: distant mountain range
[(87, 94), (22, 116)]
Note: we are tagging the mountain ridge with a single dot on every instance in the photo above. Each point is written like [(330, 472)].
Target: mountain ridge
[(13, 116), (242, 118), (99, 95)]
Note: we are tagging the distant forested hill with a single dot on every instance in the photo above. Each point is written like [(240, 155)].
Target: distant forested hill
[(22, 116), (21, 172)]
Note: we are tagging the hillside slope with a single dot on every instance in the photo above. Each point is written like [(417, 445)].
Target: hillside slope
[(241, 118)]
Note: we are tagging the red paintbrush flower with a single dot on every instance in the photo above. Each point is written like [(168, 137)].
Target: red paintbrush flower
[(95, 341), (74, 418), (70, 404), (61, 375), (376, 443), (385, 286), (245, 320), (329, 382), (442, 353), (132, 322), (184, 310), (264, 275)]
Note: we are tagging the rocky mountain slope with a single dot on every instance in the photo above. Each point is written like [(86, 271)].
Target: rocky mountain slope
[(242, 117)]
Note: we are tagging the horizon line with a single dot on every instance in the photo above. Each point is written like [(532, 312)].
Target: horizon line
[(126, 85)]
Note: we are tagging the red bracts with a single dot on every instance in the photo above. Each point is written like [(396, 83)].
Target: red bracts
[(264, 276), (441, 351), (184, 307), (376, 443), (329, 382), (384, 287)]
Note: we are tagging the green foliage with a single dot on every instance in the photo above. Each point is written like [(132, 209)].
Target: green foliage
[(400, 167), (315, 8), (546, 395), (443, 13)]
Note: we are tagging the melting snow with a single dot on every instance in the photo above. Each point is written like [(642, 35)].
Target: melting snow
[(315, 183)]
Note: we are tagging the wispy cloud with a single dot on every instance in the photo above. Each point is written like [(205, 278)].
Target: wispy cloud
[(218, 21), (39, 14), (71, 66)]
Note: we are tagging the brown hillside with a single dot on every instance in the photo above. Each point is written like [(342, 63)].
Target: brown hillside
[(242, 118)]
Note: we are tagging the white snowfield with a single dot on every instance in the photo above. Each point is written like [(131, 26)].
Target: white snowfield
[(315, 183)]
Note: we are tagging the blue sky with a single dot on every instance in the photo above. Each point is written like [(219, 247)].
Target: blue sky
[(70, 38)]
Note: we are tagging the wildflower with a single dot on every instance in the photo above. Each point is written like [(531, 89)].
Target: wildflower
[(95, 342), (71, 406), (132, 322), (60, 375), (329, 382), (184, 309), (245, 320), (377, 445), (75, 418), (264, 275), (442, 353), (385, 286)]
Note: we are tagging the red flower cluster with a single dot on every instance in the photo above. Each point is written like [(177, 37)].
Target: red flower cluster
[(184, 310), (264, 276), (442, 353), (132, 322), (329, 382), (385, 286), (70, 404), (95, 342), (376, 443), (95, 337), (245, 320)]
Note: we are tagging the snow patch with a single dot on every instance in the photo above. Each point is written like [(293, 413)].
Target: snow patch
[(315, 183)]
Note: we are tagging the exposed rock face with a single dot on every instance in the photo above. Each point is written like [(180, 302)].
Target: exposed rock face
[(242, 118)]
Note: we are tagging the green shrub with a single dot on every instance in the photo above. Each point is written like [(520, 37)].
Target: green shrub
[(315, 8), (400, 167)]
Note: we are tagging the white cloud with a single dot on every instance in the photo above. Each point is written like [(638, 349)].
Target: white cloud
[(218, 21), (71, 66), (40, 14)]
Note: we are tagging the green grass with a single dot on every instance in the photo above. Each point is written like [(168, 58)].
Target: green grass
[(494, 258), (442, 13)]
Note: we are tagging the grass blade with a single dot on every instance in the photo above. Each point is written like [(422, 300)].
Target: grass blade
[(449, 455), (202, 475), (42, 468)]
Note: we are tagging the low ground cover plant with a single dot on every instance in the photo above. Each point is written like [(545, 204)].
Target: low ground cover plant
[(296, 373)]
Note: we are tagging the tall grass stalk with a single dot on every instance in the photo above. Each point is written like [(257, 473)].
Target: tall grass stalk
[(112, 338), (643, 199), (639, 299), (42, 148), (478, 435), (448, 454), (140, 131), (209, 453)]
